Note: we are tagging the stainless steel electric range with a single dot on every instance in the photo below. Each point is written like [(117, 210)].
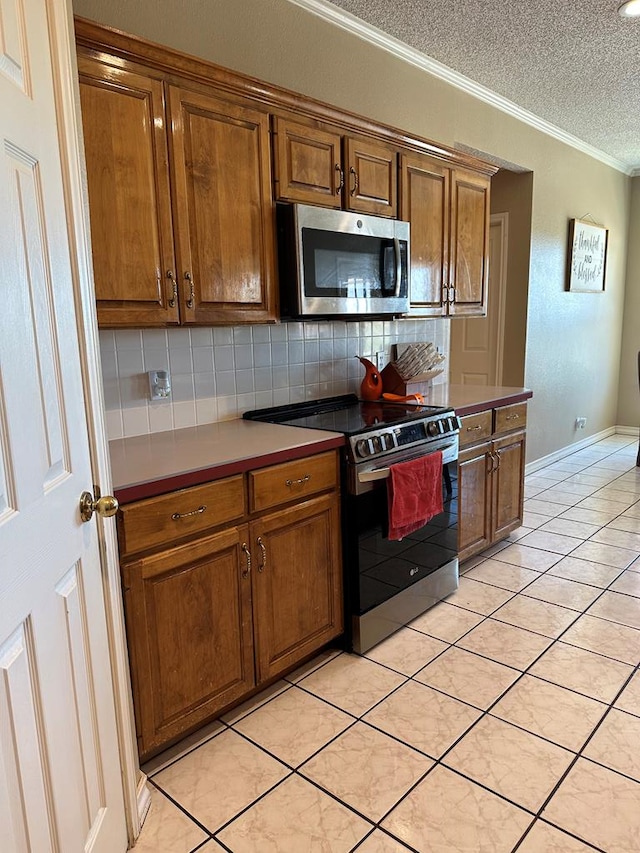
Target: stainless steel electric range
[(388, 583)]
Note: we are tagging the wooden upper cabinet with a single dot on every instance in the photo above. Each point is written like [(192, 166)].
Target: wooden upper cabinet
[(180, 201), (128, 185), (321, 165), (448, 209), (425, 192), (224, 216), (308, 164), (470, 219), (371, 177)]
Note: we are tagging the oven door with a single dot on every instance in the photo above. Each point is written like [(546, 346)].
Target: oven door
[(389, 583)]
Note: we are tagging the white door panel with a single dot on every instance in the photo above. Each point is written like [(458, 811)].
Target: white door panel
[(477, 342), (60, 786)]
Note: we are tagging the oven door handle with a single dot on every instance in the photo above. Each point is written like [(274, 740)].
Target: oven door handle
[(383, 473)]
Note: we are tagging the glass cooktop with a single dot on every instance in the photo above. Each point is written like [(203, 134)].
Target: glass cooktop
[(346, 414)]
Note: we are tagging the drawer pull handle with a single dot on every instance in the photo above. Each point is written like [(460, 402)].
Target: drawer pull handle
[(246, 572), (177, 515), (513, 417), (263, 559), (475, 428), (298, 482)]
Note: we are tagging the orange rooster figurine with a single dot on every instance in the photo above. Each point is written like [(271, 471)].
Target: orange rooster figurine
[(371, 387)]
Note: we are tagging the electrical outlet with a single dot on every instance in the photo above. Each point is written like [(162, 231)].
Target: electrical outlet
[(381, 359), (581, 423)]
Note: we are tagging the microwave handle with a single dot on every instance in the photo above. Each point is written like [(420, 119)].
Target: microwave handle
[(396, 251)]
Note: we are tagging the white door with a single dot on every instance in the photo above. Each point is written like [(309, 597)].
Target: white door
[(60, 779), (477, 342)]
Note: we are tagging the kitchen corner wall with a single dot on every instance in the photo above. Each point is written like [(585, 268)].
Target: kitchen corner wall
[(217, 374)]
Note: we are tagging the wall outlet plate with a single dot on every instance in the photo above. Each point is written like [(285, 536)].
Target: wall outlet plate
[(581, 423), (159, 384), (381, 359)]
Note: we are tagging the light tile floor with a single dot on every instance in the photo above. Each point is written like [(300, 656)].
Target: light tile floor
[(506, 718)]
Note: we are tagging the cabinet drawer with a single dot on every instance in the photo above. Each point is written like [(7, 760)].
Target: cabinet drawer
[(475, 428), (157, 521), (510, 417), (289, 481)]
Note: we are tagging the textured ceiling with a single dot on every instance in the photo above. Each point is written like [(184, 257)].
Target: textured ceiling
[(574, 65)]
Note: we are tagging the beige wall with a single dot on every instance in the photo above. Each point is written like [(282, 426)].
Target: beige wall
[(573, 340), (512, 193), (629, 398)]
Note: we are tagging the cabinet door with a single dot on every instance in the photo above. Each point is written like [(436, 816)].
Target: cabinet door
[(469, 266), (371, 177), (188, 613), (508, 484), (297, 583), (128, 183), (474, 500), (308, 165), (223, 208), (425, 203)]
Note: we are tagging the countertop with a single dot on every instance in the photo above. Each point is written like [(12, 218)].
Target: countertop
[(148, 465), (469, 399)]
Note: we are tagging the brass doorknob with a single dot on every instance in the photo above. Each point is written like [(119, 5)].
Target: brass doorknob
[(105, 506)]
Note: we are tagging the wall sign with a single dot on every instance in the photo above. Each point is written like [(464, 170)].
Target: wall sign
[(587, 259)]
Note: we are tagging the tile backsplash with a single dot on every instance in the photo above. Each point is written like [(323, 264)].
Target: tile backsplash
[(218, 373)]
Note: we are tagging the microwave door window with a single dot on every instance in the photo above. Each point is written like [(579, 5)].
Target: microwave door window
[(345, 265)]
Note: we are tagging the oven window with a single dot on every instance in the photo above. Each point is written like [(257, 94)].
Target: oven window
[(353, 266), (385, 566)]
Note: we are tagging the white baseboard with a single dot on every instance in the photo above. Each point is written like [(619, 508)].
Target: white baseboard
[(144, 798), (557, 455), (628, 430)]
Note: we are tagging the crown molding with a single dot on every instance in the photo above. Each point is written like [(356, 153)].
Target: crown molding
[(371, 34)]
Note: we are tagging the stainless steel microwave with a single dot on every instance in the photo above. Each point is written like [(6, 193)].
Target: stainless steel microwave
[(334, 263)]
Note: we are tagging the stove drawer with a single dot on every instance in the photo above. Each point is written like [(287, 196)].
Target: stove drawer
[(279, 484)]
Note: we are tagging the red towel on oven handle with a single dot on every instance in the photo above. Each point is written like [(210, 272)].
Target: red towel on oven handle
[(414, 493)]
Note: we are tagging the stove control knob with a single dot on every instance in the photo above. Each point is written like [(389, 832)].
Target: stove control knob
[(376, 443), (362, 447), (434, 428), (387, 441)]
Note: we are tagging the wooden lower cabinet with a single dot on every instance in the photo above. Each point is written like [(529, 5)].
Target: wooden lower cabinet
[(212, 618), (474, 500), (189, 627), (490, 488), (297, 585)]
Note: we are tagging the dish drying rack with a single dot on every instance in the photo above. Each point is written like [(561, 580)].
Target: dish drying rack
[(413, 371)]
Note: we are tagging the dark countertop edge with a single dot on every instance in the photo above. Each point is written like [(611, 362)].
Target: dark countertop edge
[(128, 494), (474, 408)]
